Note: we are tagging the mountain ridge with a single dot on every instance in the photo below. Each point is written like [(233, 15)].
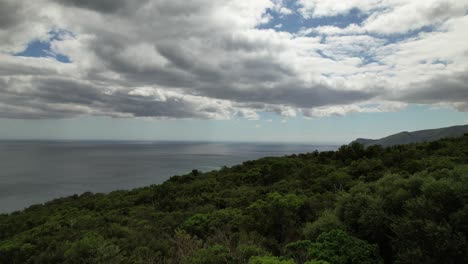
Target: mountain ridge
[(418, 136)]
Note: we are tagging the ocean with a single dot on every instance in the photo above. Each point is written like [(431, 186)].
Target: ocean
[(33, 172)]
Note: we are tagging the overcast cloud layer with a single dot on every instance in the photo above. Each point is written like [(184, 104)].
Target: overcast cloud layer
[(219, 59)]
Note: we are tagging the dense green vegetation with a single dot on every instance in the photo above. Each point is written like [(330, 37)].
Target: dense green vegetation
[(403, 204)]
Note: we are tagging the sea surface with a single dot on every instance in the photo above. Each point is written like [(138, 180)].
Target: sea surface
[(33, 172)]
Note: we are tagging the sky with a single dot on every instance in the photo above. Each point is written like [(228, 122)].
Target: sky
[(316, 71)]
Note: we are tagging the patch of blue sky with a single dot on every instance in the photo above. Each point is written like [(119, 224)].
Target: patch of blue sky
[(443, 62), (295, 22), (436, 61), (42, 48), (367, 58), (397, 37), (324, 55)]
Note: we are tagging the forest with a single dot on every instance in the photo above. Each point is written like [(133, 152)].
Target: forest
[(400, 204)]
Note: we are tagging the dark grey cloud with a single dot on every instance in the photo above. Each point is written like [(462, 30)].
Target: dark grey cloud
[(35, 112), (20, 22), (104, 6), (11, 13), (60, 98), (292, 93), (25, 66), (240, 80), (439, 89), (172, 107)]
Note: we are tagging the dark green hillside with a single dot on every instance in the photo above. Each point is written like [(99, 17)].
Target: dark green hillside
[(427, 135), (403, 204)]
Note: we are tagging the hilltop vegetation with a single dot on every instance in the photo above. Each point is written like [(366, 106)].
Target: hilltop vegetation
[(426, 135), (403, 204)]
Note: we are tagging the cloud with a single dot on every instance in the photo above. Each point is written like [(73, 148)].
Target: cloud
[(323, 8), (105, 6), (280, 6), (248, 114), (211, 59), (22, 22), (413, 15), (10, 14), (341, 110), (451, 90), (60, 97), (383, 17)]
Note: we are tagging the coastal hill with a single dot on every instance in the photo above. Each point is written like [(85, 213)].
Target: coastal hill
[(426, 135), (403, 204)]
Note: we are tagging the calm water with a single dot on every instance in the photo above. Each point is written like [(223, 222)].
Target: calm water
[(35, 172)]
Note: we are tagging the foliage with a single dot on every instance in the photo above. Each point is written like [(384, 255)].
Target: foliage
[(326, 222), (270, 260), (338, 247)]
